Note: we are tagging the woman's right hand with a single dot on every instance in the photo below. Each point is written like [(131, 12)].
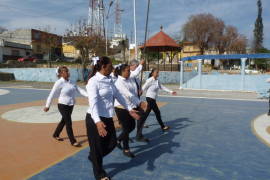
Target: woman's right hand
[(46, 109), (135, 114), (101, 129)]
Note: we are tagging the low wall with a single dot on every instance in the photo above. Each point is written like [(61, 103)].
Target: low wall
[(40, 74), (255, 83), (49, 75)]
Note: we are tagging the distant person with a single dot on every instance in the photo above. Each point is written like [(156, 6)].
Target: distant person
[(151, 87), (136, 68), (65, 90), (127, 87), (99, 122)]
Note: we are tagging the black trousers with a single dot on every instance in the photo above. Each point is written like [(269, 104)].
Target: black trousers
[(100, 146), (128, 125), (66, 112), (152, 105)]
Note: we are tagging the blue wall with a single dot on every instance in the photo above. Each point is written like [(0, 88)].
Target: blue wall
[(40, 74), (230, 82), (49, 75)]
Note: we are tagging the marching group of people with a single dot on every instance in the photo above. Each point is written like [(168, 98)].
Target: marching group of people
[(108, 90)]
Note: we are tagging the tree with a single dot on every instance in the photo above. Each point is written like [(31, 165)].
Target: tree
[(258, 30), (201, 30), (87, 42)]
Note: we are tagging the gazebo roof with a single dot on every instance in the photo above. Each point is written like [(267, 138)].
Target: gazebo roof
[(161, 41)]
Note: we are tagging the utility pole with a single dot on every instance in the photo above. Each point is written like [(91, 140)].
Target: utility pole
[(146, 28), (135, 29)]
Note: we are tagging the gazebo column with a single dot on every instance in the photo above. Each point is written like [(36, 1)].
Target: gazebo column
[(181, 74), (200, 72), (158, 60), (243, 66), (164, 64), (171, 60)]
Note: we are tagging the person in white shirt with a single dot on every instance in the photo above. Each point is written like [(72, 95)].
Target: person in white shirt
[(127, 87), (99, 123), (65, 90), (151, 87), (136, 68)]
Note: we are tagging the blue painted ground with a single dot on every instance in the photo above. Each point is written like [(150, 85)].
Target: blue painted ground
[(209, 140), (24, 95)]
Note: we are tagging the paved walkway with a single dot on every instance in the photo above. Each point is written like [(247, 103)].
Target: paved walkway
[(210, 139)]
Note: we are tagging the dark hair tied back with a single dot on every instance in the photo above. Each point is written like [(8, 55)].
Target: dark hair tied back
[(104, 60), (119, 69), (151, 73)]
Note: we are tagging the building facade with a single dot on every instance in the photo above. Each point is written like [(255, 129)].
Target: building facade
[(70, 51), (44, 45), (13, 51)]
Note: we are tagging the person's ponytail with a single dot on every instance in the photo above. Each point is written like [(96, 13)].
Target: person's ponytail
[(151, 73)]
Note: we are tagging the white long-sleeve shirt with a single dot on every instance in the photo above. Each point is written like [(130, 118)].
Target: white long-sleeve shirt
[(128, 88), (101, 95), (152, 87), (66, 91), (135, 74)]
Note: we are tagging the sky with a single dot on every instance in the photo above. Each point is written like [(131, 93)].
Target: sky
[(171, 14)]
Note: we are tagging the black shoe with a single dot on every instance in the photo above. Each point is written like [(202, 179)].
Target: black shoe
[(118, 144), (165, 128), (128, 154), (58, 138), (268, 113), (142, 139), (76, 144)]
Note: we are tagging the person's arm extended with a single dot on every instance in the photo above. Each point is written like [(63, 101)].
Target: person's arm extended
[(81, 91), (136, 72), (164, 88)]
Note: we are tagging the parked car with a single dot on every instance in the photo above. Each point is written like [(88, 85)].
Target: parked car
[(27, 58)]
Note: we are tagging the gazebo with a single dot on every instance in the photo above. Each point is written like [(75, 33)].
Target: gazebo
[(161, 42)]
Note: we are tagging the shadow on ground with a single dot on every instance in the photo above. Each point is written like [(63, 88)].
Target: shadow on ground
[(149, 153)]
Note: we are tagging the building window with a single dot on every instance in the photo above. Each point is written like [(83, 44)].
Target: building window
[(37, 35), (15, 52)]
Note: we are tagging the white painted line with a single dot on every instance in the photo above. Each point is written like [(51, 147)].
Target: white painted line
[(16, 87), (230, 99), (217, 90), (4, 91), (259, 126), (35, 114)]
